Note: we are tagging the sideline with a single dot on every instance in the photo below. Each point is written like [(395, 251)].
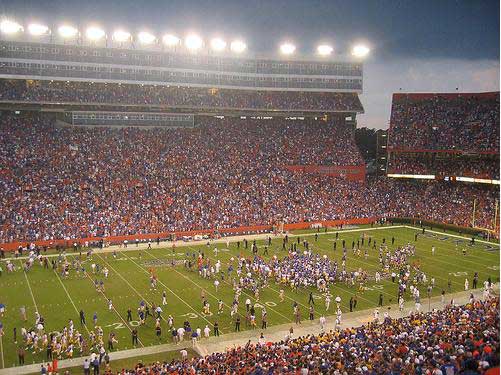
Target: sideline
[(181, 243)]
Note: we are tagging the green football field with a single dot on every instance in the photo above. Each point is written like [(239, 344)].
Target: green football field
[(59, 298)]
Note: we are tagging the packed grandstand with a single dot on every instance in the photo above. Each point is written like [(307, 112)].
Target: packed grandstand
[(454, 135), (128, 152)]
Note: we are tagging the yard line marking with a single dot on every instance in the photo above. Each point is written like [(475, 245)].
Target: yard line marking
[(127, 282), (114, 309), (444, 248), (454, 253), (170, 290), (244, 292), (376, 267), (318, 312), (1, 351), (31, 291), (71, 300), (452, 235)]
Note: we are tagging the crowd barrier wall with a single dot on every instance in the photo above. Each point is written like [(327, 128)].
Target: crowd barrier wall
[(350, 172), (12, 246)]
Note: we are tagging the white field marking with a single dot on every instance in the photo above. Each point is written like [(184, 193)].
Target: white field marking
[(71, 300), (1, 351), (346, 231), (278, 292), (352, 293), (127, 282), (189, 279), (452, 235), (440, 246), (31, 291), (114, 309), (110, 250), (249, 295), (376, 267), (435, 257), (170, 290)]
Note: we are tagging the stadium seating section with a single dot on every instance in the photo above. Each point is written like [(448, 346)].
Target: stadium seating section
[(73, 181), (445, 134), (462, 339), (465, 122), (100, 93)]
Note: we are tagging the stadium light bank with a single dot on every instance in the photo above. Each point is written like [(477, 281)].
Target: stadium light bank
[(192, 42)]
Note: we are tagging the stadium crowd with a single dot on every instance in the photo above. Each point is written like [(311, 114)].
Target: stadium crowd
[(467, 122), (486, 167), (101, 93), (74, 182), (456, 340)]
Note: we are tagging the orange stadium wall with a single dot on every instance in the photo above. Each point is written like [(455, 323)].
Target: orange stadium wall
[(12, 246), (350, 172)]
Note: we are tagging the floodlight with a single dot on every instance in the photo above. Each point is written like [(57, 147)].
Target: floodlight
[(121, 36), (67, 31), (94, 33), (145, 37), (10, 27), (217, 44), (37, 29), (360, 51), (287, 48), (324, 50), (238, 46), (193, 42), (170, 40)]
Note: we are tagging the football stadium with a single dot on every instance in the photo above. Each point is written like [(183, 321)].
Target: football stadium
[(183, 204)]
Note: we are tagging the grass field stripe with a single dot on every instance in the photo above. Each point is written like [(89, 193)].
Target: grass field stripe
[(114, 309), (249, 295), (69, 297), (372, 303), (232, 240), (31, 291), (174, 293), (129, 284), (453, 235), (226, 282), (273, 289), (374, 266), (470, 255), (463, 258), (453, 252), (190, 280)]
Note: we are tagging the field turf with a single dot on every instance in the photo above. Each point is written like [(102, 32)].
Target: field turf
[(59, 299)]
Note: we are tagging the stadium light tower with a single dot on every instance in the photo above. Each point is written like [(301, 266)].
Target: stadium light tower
[(171, 40), (193, 42), (67, 31), (324, 50), (121, 36), (10, 27), (145, 37), (360, 50), (287, 48), (218, 44), (238, 46), (37, 29), (94, 33)]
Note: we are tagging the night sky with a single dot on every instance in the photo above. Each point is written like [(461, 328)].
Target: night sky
[(433, 45)]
